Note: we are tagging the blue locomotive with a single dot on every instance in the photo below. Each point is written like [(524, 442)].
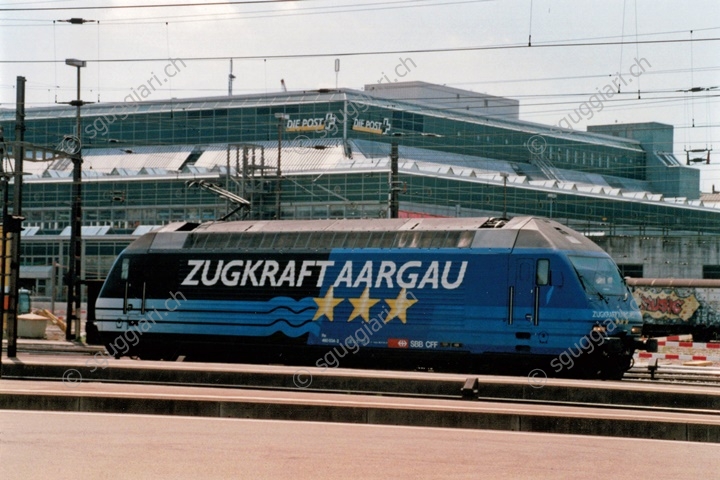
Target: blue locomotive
[(463, 294)]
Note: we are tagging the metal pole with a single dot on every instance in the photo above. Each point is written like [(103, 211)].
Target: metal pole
[(19, 152), (345, 125), (53, 283), (77, 219), (231, 77), (279, 170), (3, 243), (243, 193), (3, 259), (394, 200), (75, 250), (227, 176), (551, 198), (504, 196), (281, 117)]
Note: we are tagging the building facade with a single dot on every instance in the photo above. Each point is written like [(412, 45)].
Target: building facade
[(326, 154)]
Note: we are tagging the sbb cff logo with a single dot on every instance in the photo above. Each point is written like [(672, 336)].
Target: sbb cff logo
[(398, 343)]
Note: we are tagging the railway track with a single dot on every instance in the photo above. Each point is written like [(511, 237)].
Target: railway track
[(680, 374), (681, 398), (616, 409), (470, 391), (674, 374), (55, 348), (465, 396)]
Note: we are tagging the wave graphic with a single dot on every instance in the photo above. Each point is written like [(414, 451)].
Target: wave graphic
[(279, 314)]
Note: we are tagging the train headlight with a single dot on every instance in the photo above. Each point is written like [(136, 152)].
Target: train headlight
[(599, 328), (636, 330)]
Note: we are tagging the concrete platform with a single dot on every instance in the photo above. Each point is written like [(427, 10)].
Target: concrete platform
[(100, 368), (72, 446), (364, 409)]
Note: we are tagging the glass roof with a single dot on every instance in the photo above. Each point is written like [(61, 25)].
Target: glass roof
[(280, 98)]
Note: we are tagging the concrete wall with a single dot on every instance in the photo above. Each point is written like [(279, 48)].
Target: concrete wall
[(671, 256)]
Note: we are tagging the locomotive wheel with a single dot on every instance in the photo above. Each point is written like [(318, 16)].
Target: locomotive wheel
[(168, 353), (614, 368)]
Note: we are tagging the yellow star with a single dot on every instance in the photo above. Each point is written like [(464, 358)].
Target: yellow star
[(326, 305), (399, 306), (362, 306)]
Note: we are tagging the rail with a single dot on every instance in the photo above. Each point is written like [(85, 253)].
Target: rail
[(675, 374), (644, 396)]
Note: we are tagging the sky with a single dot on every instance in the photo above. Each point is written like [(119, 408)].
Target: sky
[(569, 62)]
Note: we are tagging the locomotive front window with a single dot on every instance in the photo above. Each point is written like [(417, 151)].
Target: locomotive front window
[(599, 275)]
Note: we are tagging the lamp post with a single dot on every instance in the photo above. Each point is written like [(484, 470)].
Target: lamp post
[(281, 118), (75, 250)]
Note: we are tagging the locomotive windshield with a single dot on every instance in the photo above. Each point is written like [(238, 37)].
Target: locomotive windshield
[(599, 275)]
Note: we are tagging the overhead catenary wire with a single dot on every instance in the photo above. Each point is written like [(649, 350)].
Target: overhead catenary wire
[(530, 28), (542, 106), (356, 53), (637, 45), (143, 6), (379, 52), (55, 84), (273, 13), (609, 78), (98, 63), (622, 34), (552, 103), (169, 56)]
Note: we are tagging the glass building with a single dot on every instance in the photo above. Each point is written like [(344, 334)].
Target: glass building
[(326, 154)]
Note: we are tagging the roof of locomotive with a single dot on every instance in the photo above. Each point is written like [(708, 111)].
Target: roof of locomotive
[(476, 232)]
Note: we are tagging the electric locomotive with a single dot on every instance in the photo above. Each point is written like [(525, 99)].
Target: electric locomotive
[(465, 294)]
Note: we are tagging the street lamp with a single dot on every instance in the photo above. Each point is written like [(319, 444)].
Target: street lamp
[(281, 118), (75, 250)]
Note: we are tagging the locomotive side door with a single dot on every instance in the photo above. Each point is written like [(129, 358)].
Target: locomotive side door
[(134, 295), (527, 277)]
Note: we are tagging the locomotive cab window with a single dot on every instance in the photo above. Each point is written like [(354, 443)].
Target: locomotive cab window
[(542, 272), (599, 275)]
